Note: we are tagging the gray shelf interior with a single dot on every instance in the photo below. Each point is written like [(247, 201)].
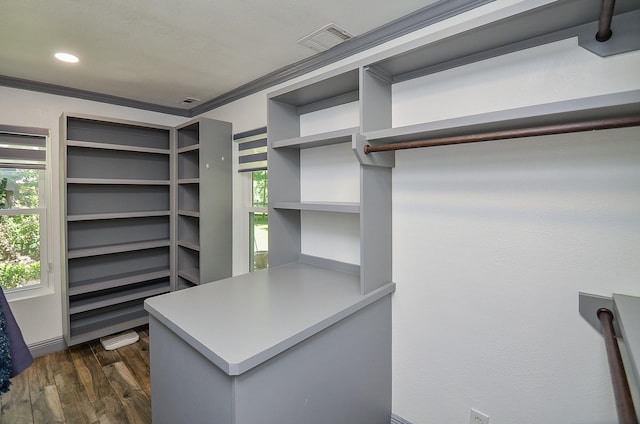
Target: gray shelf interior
[(92, 324), (99, 198), (94, 163), (189, 197), (86, 234), (91, 270), (189, 228), (108, 297), (99, 131), (189, 164), (189, 135)]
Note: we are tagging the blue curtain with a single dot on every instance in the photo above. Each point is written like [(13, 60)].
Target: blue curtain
[(14, 353)]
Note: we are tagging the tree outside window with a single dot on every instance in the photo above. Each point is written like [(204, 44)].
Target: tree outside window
[(259, 222), (20, 221)]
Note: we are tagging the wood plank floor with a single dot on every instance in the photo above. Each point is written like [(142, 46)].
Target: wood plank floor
[(83, 385)]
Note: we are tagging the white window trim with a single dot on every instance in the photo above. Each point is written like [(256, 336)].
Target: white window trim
[(45, 287)]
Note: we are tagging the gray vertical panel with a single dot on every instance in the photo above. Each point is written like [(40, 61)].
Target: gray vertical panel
[(284, 184), (62, 142), (375, 227), (173, 208), (177, 368), (375, 101), (215, 200), (341, 375)]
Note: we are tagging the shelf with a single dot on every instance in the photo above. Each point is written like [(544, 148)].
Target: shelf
[(588, 108), (189, 148), (90, 326), (117, 248), (106, 146), (189, 181), (190, 274), (116, 280), (316, 140), (193, 214), (189, 244), (511, 29), (140, 291), (341, 207), (339, 85), (116, 215), (114, 181)]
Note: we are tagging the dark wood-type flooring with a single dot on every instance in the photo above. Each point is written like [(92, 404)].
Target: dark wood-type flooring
[(85, 385)]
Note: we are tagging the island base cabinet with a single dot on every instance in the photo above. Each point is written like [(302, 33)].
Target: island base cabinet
[(341, 374)]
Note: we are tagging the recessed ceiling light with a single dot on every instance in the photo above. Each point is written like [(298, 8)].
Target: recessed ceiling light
[(67, 57)]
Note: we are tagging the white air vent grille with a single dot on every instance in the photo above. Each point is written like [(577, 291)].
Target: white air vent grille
[(326, 37)]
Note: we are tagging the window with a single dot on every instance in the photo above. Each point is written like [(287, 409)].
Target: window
[(23, 253), (252, 160), (259, 222)]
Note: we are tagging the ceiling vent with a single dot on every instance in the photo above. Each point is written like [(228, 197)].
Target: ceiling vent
[(326, 37), (189, 100)]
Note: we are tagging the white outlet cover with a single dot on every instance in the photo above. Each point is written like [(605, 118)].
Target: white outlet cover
[(478, 417)]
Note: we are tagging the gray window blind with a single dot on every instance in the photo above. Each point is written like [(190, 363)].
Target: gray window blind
[(252, 150), (22, 147)]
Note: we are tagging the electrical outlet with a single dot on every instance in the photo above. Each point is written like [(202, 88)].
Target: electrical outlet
[(478, 417)]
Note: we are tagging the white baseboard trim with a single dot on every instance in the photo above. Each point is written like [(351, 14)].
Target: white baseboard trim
[(398, 420), (47, 346)]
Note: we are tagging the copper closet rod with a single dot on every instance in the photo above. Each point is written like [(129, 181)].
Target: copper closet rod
[(624, 402), (600, 124)]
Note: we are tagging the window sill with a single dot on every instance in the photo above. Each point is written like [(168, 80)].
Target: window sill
[(28, 293)]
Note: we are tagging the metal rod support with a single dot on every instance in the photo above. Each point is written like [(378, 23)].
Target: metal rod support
[(601, 124), (604, 24), (621, 391)]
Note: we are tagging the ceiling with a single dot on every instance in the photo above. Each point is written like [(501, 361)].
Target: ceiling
[(163, 51)]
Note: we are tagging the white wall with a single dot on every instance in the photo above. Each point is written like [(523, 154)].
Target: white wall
[(40, 318)]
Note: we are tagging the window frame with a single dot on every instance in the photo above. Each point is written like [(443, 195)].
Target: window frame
[(43, 212)]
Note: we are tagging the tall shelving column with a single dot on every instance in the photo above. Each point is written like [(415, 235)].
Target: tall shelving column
[(286, 208), (117, 220), (203, 202)]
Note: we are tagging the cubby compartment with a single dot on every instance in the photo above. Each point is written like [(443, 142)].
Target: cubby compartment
[(189, 229), (108, 297), (96, 323), (93, 199), (123, 133), (95, 273), (87, 234), (116, 164), (330, 235), (189, 265), (189, 164), (188, 135), (188, 197)]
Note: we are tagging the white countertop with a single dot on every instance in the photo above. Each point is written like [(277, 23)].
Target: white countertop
[(240, 322)]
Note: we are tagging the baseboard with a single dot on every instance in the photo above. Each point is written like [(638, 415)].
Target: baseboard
[(47, 346), (398, 420)]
